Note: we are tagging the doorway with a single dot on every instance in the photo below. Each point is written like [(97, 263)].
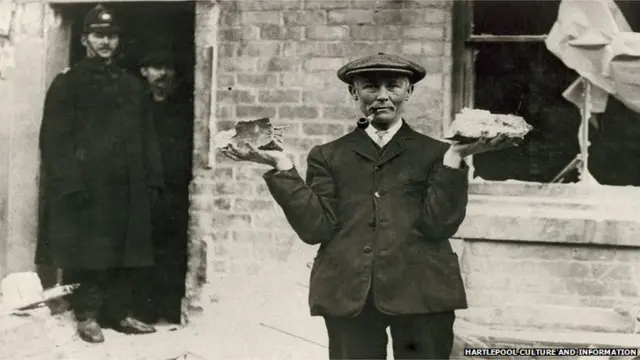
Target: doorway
[(148, 26)]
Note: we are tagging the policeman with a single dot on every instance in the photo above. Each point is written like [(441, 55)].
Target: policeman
[(102, 174)]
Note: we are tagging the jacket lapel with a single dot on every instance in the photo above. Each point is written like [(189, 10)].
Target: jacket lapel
[(365, 147), (397, 145)]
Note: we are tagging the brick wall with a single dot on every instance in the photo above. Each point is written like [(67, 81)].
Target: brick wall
[(279, 59)]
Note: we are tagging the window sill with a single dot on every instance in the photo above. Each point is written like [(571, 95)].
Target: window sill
[(552, 213)]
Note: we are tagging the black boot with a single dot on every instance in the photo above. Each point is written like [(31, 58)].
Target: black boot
[(132, 326), (90, 331), (87, 301)]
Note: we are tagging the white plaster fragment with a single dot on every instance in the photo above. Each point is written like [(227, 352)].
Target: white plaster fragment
[(7, 59), (6, 16)]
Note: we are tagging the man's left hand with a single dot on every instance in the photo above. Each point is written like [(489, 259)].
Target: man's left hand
[(483, 145)]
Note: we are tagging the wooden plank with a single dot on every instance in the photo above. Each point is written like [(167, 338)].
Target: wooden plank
[(6, 16)]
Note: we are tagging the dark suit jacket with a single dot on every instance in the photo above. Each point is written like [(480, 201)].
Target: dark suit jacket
[(382, 222)]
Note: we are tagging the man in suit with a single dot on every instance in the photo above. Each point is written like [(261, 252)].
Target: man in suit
[(382, 202), (172, 109), (102, 173)]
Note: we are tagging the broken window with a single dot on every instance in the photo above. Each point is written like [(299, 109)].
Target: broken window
[(503, 66)]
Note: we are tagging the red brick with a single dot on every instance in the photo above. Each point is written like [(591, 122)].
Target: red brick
[(377, 4), (376, 32), (245, 5), (323, 64), (303, 144), (226, 50), (232, 188), (246, 64), (277, 32), (250, 111), (221, 204), (340, 113), (327, 32), (225, 80), (252, 205), (269, 220), (261, 17), (350, 16), (308, 17), (264, 49), (297, 112), (337, 96), (225, 220), (409, 16), (224, 112), (306, 48), (432, 64), (250, 236), (429, 48), (439, 4), (360, 48), (327, 4), (238, 34), (279, 96), (236, 96), (424, 32), (323, 129), (278, 64), (222, 173), (314, 80), (257, 80), (262, 190), (250, 172), (229, 19)]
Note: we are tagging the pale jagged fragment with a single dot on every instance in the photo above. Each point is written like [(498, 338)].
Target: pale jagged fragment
[(471, 124), (259, 133)]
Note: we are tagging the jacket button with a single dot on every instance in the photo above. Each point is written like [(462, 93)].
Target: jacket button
[(371, 223), (367, 249), (376, 194), (376, 168)]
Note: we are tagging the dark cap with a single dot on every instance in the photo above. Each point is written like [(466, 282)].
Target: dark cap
[(157, 58), (100, 20), (382, 62)]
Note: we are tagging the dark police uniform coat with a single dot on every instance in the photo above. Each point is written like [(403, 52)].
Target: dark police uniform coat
[(382, 222), (97, 137)]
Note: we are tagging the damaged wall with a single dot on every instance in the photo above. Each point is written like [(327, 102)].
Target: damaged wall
[(21, 95)]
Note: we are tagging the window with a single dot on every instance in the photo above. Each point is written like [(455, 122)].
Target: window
[(501, 64)]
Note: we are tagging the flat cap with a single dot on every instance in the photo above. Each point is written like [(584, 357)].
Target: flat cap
[(382, 62)]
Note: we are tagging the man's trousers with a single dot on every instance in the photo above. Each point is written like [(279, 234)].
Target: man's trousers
[(104, 295), (420, 336)]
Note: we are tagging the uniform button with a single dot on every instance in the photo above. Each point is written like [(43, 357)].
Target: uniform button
[(376, 168), (367, 249), (371, 223), (376, 194)]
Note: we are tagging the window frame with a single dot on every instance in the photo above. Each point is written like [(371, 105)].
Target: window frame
[(463, 79)]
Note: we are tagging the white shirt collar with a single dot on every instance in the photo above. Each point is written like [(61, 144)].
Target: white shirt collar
[(372, 132)]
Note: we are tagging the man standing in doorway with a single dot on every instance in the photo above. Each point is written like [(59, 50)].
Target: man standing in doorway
[(101, 176), (382, 203), (173, 119)]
